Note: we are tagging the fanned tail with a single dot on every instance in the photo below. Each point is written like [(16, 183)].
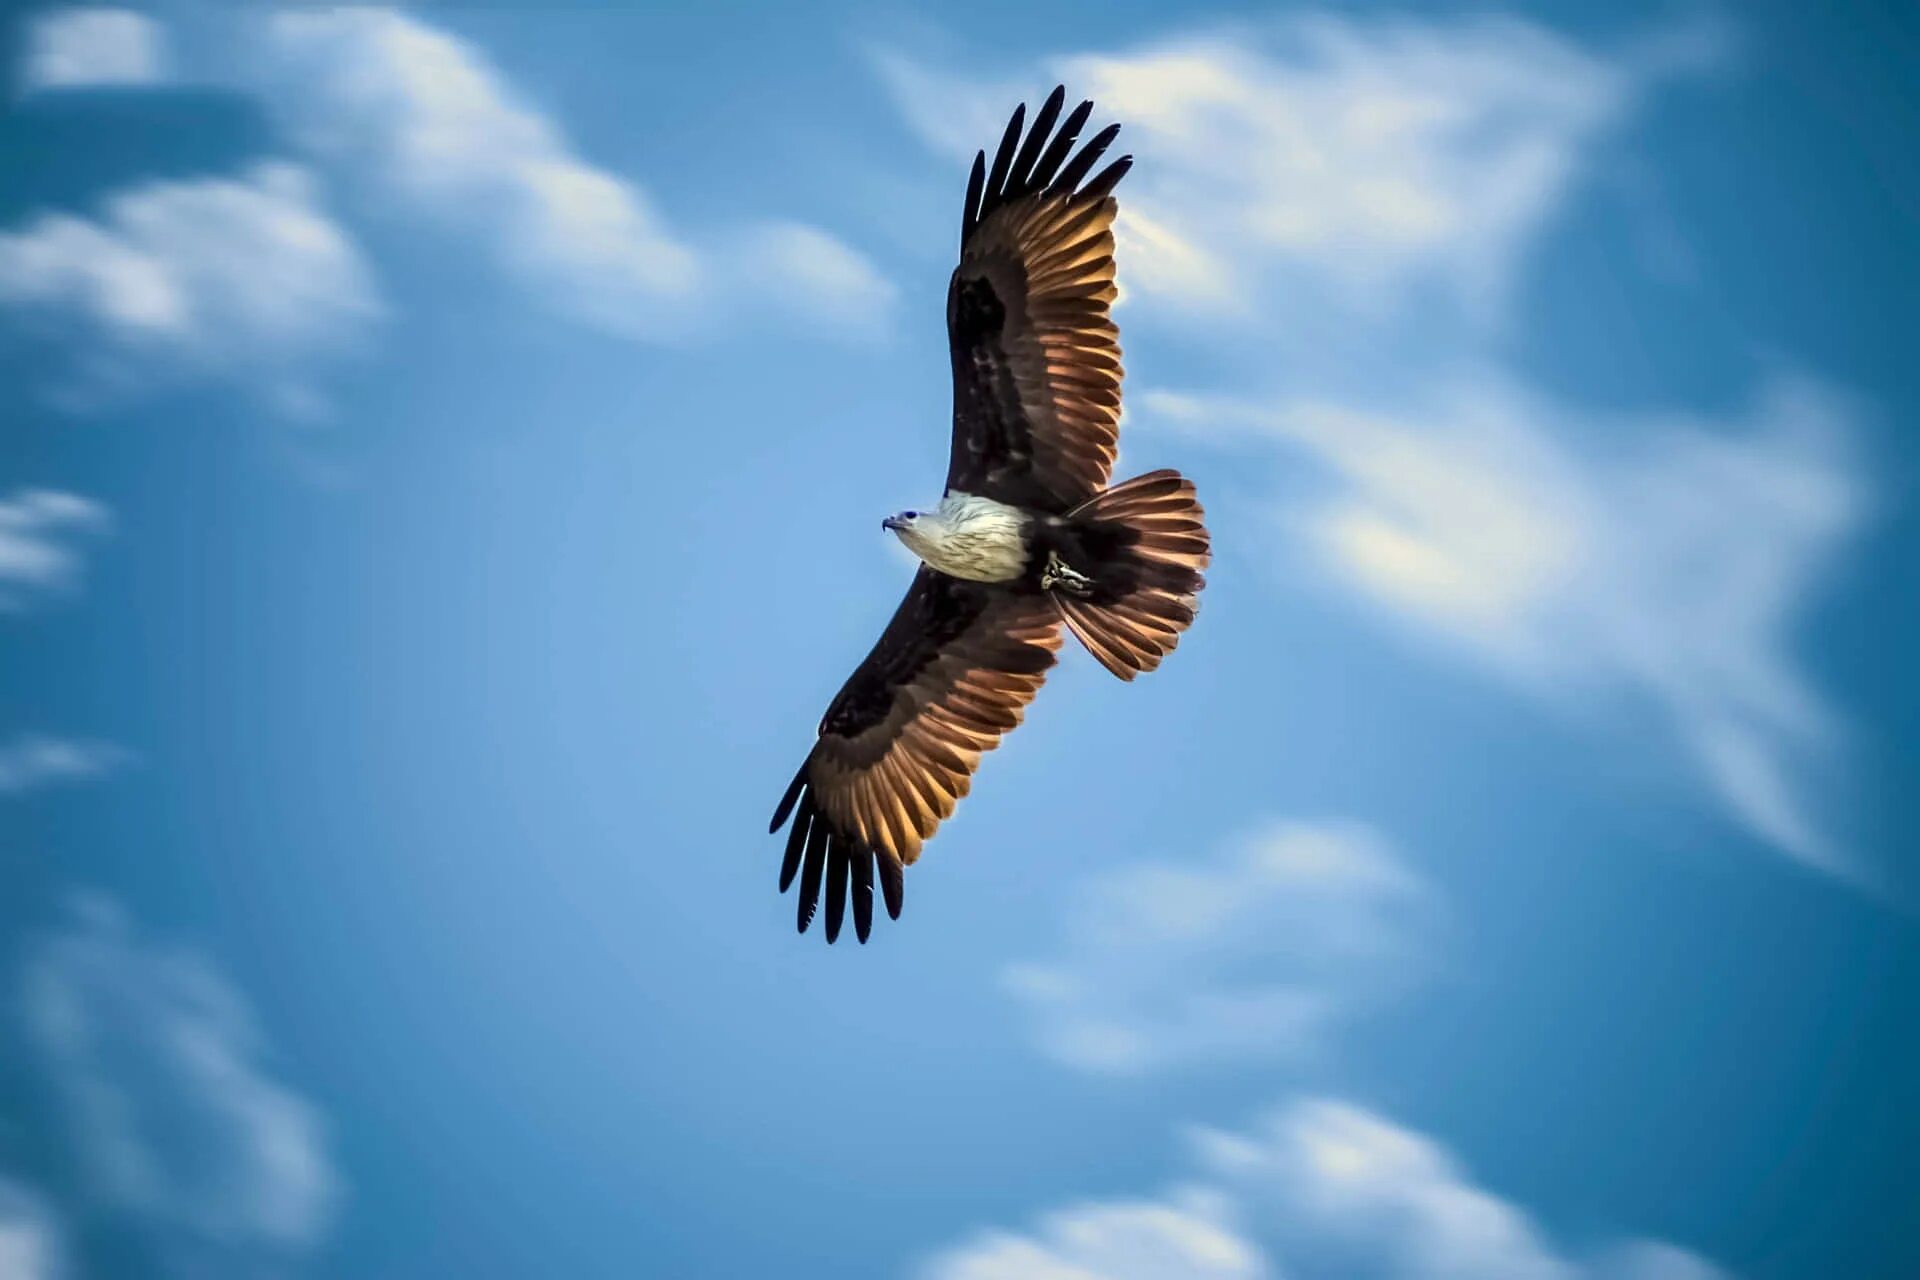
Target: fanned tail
[(1153, 544)]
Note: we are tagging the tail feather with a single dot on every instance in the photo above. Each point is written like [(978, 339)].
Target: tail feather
[(1147, 590)]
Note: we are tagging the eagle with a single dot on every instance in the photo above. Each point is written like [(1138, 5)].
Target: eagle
[(1028, 537)]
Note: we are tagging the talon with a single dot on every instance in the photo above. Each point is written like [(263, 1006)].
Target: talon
[(1060, 574)]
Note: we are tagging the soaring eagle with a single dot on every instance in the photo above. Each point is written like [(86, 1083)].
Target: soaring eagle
[(1028, 536)]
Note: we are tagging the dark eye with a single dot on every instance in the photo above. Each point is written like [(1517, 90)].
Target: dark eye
[(912, 515)]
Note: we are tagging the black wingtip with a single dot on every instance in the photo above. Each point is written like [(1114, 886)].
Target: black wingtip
[(976, 184), (1003, 158), (1082, 164), (796, 845), (815, 864), (1107, 179), (1040, 158), (786, 804), (1043, 119), (893, 883), (838, 859), (862, 887), (1068, 133), (845, 869)]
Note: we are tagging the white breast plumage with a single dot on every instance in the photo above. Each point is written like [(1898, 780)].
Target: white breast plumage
[(973, 538)]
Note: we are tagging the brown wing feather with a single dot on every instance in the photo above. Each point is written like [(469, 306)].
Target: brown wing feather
[(1036, 356), (952, 673)]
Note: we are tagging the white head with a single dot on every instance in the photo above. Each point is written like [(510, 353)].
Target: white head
[(915, 528)]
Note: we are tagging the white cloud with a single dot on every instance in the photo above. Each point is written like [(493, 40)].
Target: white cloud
[(29, 1236), (1317, 1189), (1320, 159), (1251, 953), (244, 277), (89, 47), (36, 529), (1184, 1237), (32, 761), (810, 274), (1339, 1189), (1670, 562), (163, 1069), (251, 280), (434, 128), (428, 120), (1339, 1178)]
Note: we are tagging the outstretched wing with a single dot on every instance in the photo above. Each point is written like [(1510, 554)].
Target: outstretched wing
[(1036, 358), (952, 672)]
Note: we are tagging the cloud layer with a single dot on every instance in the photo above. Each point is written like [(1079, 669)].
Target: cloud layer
[(428, 122), (29, 1236), (1182, 1237), (1249, 954), (249, 279), (1317, 1187), (246, 278), (1670, 562), (1319, 160), (164, 1074), (37, 530), (34, 760), (92, 48)]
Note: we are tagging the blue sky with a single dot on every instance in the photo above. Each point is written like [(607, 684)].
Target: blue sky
[(441, 454)]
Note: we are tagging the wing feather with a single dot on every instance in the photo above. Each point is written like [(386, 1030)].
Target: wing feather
[(1036, 356), (952, 673), (816, 862), (862, 885), (837, 866)]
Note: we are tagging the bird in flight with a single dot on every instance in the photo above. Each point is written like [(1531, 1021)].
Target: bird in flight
[(1028, 537)]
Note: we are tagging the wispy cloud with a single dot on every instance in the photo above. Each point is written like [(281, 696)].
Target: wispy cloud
[(1249, 954), (165, 1074), (29, 1236), (32, 761), (1342, 1190), (251, 280), (1666, 559), (245, 277), (1316, 1187), (1186, 1236), (92, 47), (809, 275), (426, 119), (37, 531), (1321, 160)]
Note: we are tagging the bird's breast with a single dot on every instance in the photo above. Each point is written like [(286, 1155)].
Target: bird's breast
[(977, 539)]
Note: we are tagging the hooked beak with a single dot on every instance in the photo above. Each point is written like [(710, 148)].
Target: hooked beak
[(894, 523)]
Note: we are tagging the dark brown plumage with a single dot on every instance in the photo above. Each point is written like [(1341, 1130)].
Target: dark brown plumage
[(1036, 407)]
